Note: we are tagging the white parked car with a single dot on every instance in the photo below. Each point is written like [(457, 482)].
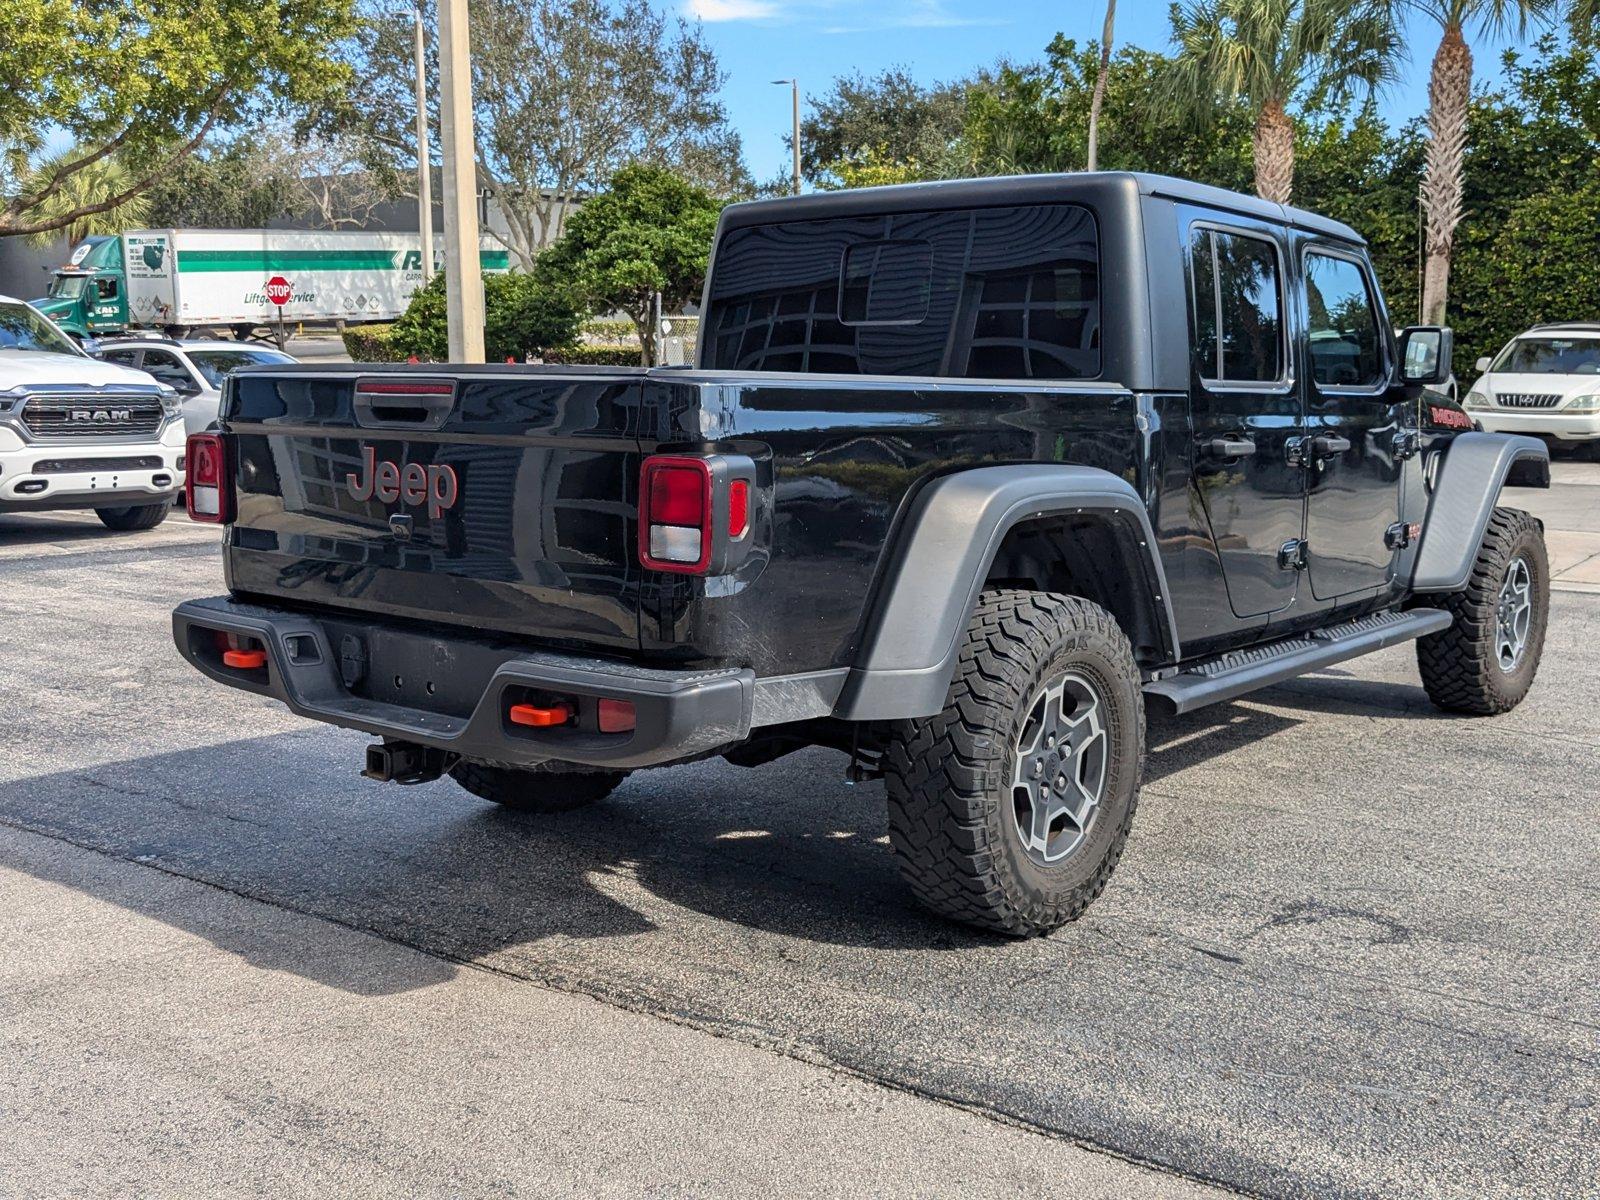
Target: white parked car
[(79, 433), (193, 368), (1545, 382)]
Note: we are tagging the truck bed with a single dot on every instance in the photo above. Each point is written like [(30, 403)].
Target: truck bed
[(541, 539)]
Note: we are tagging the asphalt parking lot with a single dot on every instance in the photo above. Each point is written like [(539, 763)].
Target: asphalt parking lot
[(1352, 949)]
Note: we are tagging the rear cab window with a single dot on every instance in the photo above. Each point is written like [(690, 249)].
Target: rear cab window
[(983, 293)]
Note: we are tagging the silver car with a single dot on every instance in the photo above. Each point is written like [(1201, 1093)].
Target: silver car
[(194, 369)]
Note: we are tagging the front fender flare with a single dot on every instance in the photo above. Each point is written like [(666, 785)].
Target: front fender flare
[(1465, 492), (930, 584)]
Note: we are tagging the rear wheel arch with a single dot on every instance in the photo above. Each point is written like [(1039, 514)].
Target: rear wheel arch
[(1089, 556), (1034, 525)]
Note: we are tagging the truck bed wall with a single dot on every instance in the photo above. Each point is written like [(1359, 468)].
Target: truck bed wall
[(843, 456)]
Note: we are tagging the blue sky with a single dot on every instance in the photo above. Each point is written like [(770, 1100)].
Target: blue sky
[(815, 40)]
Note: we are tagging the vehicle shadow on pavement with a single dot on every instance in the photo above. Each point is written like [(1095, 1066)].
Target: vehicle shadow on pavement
[(285, 821), (1175, 743)]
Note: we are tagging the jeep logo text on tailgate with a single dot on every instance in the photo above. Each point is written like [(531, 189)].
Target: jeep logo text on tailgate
[(411, 484)]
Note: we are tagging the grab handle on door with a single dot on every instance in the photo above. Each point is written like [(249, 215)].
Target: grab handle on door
[(1326, 446), (1231, 446)]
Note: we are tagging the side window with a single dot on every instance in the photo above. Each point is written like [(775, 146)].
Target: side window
[(1342, 326), (106, 287), (1238, 307), (123, 358), (167, 369)]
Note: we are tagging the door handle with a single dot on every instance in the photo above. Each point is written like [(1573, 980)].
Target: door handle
[(1231, 447), (1326, 446)]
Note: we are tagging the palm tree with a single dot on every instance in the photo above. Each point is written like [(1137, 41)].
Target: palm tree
[(1449, 94), (94, 184), (1271, 52), (1099, 98)]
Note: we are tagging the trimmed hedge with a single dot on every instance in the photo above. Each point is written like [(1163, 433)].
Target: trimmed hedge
[(372, 343), (598, 356)]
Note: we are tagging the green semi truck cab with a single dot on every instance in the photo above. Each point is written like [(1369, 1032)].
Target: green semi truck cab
[(89, 295)]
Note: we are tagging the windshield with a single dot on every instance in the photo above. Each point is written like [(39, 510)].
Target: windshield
[(23, 329), (67, 287), (1550, 356), (216, 365)]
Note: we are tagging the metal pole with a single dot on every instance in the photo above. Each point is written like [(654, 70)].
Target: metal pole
[(424, 167), (795, 83), (794, 89), (463, 274)]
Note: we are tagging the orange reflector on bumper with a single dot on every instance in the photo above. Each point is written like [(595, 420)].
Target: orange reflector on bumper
[(244, 660), (537, 716), (616, 716)]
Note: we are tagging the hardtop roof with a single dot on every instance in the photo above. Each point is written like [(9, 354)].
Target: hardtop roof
[(1081, 186)]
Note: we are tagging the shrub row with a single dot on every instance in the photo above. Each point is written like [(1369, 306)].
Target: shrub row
[(376, 343)]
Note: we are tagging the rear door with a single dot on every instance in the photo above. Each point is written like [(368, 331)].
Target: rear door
[(500, 501), (1356, 416), (1246, 409)]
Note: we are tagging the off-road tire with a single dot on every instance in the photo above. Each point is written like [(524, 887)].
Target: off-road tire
[(948, 777), (536, 790), (133, 517), (1460, 666)]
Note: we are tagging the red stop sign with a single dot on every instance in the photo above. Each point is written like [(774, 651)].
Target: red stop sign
[(278, 290)]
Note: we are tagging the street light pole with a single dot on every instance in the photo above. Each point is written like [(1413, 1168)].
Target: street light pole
[(463, 274), (794, 86), (424, 167)]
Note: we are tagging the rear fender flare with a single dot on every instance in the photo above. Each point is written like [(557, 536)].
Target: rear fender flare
[(929, 585), (1465, 491)]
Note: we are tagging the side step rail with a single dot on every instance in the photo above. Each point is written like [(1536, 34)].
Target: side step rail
[(1240, 671)]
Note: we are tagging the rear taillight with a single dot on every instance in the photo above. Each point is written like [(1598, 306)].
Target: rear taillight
[(209, 489), (675, 514)]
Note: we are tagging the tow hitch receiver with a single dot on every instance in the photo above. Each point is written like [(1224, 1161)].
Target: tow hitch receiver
[(406, 762)]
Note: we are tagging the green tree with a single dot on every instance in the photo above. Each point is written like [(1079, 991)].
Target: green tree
[(525, 314), (565, 93), (650, 232), (236, 184), (145, 83), (81, 194), (1530, 164), (1449, 98), (889, 120), (1270, 53), (1034, 118)]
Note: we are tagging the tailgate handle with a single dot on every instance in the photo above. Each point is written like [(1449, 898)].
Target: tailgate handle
[(403, 403)]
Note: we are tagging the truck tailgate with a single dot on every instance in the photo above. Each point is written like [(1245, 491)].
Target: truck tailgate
[(498, 499)]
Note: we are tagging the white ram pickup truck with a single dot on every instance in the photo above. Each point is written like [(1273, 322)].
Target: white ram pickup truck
[(76, 432)]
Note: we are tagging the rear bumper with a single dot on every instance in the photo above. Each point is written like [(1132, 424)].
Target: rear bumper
[(336, 670)]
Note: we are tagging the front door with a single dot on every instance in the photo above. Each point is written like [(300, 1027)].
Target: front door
[(1355, 419), (1247, 410)]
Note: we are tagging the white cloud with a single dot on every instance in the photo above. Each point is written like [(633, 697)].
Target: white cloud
[(915, 14), (731, 10)]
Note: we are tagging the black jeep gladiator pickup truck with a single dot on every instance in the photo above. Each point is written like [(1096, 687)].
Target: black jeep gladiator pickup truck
[(965, 476)]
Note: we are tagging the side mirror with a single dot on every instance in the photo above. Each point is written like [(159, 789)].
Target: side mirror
[(1425, 353), (1483, 364)]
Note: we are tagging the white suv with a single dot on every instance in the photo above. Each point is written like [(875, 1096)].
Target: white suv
[(1545, 382), (193, 368)]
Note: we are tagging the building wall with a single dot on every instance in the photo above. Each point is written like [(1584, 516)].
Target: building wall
[(25, 268)]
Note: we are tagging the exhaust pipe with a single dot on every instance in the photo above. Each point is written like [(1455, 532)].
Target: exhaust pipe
[(406, 763)]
